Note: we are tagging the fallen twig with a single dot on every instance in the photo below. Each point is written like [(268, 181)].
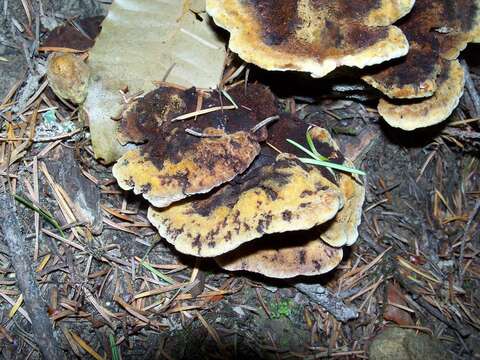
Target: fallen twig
[(462, 134), (34, 304), (328, 301)]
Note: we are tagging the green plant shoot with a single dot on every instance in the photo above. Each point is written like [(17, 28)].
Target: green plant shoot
[(317, 159), (42, 212)]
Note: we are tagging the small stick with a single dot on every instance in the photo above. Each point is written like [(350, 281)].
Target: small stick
[(37, 309), (331, 303), (202, 135), (264, 123)]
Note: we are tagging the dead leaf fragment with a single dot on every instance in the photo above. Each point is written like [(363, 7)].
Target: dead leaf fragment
[(393, 311), (142, 42), (78, 34)]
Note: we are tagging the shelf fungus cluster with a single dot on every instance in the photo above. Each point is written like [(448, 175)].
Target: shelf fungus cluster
[(419, 73), (312, 36), (222, 185), (425, 86)]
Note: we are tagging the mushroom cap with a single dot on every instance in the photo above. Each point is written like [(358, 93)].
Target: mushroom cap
[(172, 164), (312, 36), (284, 255), (204, 164), (317, 250), (281, 196), (416, 77), (68, 76), (411, 115), (342, 230), (436, 30)]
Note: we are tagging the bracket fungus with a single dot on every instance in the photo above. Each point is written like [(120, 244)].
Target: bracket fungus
[(284, 256), (68, 76), (411, 115), (317, 250), (172, 163), (284, 196), (312, 36), (429, 74), (232, 185), (281, 218)]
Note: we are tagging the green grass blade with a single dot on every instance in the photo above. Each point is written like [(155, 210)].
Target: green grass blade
[(114, 347), (331, 165), (43, 213), (304, 149), (318, 159), (162, 276), (313, 148)]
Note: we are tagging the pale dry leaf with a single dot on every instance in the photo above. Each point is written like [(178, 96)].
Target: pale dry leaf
[(142, 41)]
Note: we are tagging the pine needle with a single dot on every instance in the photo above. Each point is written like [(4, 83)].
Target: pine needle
[(42, 212), (114, 347), (162, 276)]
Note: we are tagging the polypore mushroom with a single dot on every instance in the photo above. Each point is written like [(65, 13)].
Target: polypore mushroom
[(173, 163), (437, 31), (432, 110), (284, 255), (311, 252), (312, 36), (266, 194), (276, 194), (68, 76), (281, 196), (143, 41)]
